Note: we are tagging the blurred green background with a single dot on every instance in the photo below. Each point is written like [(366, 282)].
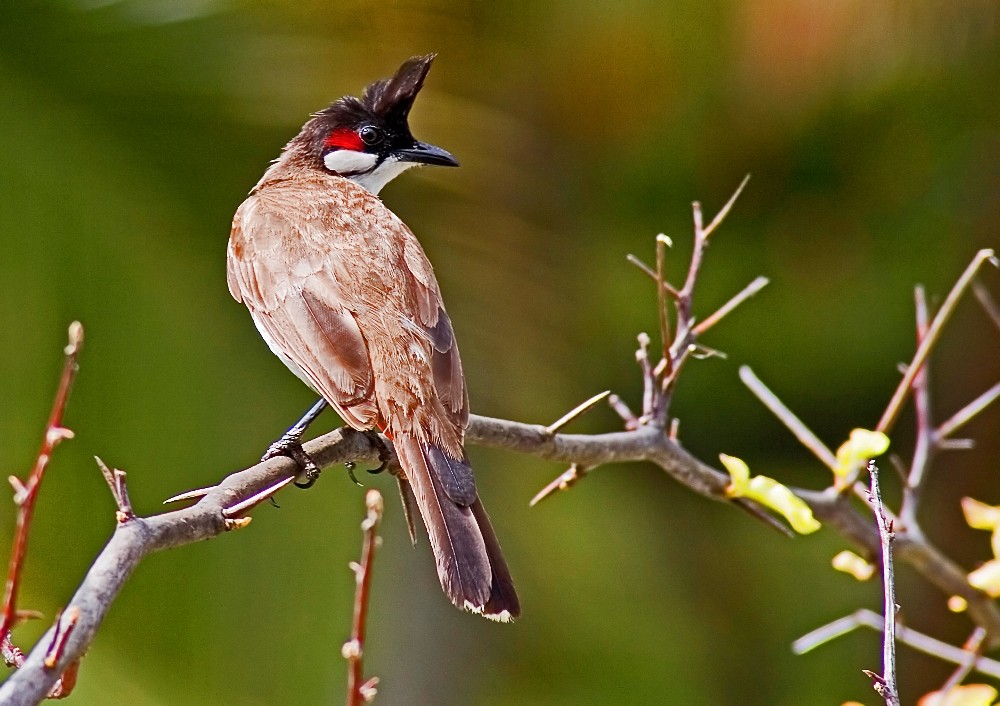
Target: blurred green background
[(130, 130)]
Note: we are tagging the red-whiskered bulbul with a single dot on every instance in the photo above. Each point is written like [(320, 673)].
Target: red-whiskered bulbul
[(344, 295)]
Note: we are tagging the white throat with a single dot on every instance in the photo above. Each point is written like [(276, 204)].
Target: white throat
[(386, 172), (360, 168)]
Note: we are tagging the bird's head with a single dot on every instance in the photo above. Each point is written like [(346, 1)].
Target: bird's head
[(368, 140)]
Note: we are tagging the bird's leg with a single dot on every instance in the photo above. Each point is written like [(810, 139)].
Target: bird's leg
[(290, 445), (383, 452)]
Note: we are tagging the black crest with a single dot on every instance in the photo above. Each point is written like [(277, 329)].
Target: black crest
[(385, 103), (392, 98)]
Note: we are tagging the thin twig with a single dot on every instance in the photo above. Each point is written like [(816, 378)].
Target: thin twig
[(566, 480), (662, 243), (925, 442), (624, 411), (195, 494), (577, 411), (119, 491), (895, 405), (750, 290), (237, 509), (788, 418), (886, 683), (28, 492), (908, 636), (967, 413), (972, 647), (685, 296), (649, 392), (724, 211), (651, 273), (359, 691)]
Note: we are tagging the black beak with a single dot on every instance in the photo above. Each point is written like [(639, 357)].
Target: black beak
[(422, 153)]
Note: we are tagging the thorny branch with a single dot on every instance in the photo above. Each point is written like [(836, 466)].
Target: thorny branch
[(937, 568), (650, 436), (25, 497), (931, 337), (358, 690), (885, 684)]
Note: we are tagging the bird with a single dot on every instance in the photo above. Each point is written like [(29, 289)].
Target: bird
[(342, 292)]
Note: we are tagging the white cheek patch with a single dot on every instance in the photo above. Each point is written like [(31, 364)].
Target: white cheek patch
[(386, 172), (347, 162)]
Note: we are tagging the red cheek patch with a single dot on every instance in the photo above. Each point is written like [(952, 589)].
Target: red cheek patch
[(344, 139)]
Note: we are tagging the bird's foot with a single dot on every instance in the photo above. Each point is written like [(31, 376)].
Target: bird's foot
[(383, 451), (290, 445)]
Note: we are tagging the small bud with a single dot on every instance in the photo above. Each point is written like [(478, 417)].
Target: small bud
[(75, 338), (373, 501), (235, 523), (20, 491), (57, 434), (368, 690), (351, 649)]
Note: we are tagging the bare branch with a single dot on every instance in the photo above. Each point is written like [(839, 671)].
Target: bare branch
[(662, 243), (27, 493), (895, 405), (624, 411), (577, 411), (25, 497), (886, 683), (908, 636), (972, 649), (788, 418), (566, 480), (649, 389), (359, 691), (967, 413), (119, 491), (750, 290), (134, 540), (651, 273), (925, 443), (724, 211)]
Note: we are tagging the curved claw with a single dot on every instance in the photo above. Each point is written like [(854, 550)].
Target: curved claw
[(306, 484), (350, 474), (383, 452)]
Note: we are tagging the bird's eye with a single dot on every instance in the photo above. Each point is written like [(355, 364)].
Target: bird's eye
[(370, 135)]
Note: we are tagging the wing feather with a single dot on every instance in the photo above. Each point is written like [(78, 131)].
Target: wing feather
[(305, 318)]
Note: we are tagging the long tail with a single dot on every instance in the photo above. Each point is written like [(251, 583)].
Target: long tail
[(470, 564)]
